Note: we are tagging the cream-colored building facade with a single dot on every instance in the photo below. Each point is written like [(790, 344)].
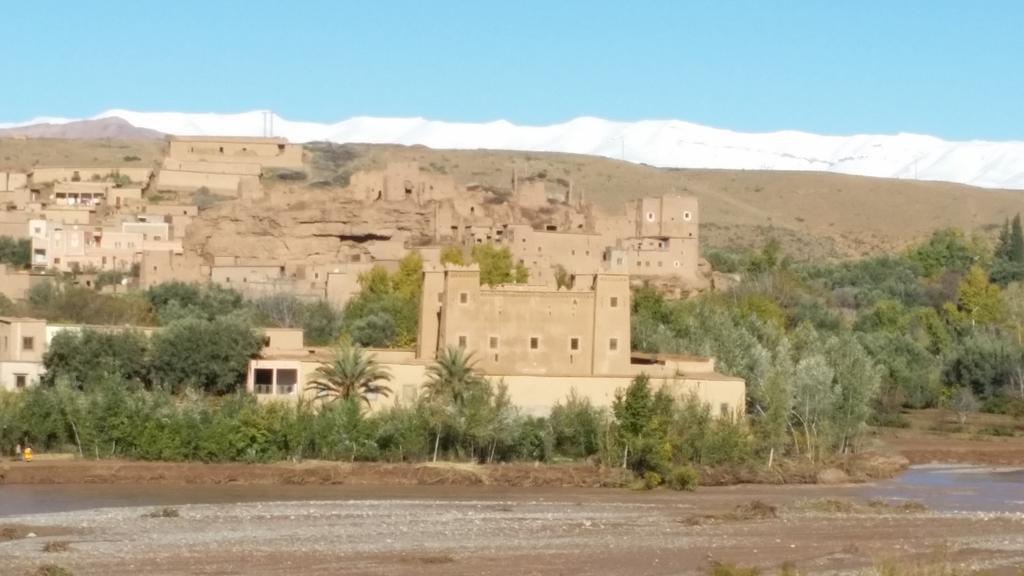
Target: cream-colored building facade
[(542, 343)]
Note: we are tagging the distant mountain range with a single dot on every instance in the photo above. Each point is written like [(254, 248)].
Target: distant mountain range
[(662, 143), (108, 127)]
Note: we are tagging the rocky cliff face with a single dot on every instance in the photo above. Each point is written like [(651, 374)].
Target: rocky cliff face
[(324, 231)]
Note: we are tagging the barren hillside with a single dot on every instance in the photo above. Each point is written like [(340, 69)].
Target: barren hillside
[(814, 214)]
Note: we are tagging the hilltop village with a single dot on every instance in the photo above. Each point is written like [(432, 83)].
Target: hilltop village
[(565, 325)]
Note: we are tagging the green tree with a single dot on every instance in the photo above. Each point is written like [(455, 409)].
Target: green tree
[(385, 313), (88, 356), (16, 252), (983, 362), (947, 249), (453, 255), (768, 259), (321, 323), (813, 396), (576, 426), (496, 265), (979, 302), (776, 404), (351, 375), (1015, 250), (856, 382), (452, 382), (1002, 251), (212, 355), (642, 421), (408, 280)]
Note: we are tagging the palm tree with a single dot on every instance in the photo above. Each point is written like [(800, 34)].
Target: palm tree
[(352, 374), (450, 382)]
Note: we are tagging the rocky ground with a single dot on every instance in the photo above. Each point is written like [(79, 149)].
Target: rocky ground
[(523, 531)]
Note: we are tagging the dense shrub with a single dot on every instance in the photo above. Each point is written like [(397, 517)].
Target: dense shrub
[(86, 356), (683, 478), (16, 252)]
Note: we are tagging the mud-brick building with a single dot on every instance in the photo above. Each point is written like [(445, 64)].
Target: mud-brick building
[(542, 343), (266, 152)]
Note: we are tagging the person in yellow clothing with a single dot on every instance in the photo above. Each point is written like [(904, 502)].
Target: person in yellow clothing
[(27, 453)]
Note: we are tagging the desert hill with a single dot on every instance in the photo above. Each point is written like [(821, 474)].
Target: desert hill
[(814, 214), (112, 127)]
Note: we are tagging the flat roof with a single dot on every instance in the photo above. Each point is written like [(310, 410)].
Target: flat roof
[(239, 139), (13, 319)]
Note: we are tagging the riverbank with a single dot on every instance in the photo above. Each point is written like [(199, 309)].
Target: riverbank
[(428, 530), (69, 470)]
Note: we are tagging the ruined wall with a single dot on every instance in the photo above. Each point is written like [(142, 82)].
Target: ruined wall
[(212, 167), (46, 175), (179, 181), (157, 267), (266, 152), (11, 181)]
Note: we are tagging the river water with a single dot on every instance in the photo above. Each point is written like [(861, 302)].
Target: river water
[(956, 488), (941, 488)]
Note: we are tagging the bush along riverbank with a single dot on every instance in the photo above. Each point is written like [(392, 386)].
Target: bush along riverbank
[(461, 417)]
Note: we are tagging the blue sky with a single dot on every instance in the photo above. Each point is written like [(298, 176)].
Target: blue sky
[(948, 68)]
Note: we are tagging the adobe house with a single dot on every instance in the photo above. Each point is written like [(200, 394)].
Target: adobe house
[(15, 223), (24, 342), (70, 248), (159, 266), (542, 343), (22, 345), (15, 284), (265, 152), (399, 182), (13, 181)]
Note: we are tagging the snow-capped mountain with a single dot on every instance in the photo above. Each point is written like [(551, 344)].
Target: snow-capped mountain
[(663, 143)]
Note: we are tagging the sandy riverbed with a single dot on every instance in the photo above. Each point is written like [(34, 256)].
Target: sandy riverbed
[(499, 531)]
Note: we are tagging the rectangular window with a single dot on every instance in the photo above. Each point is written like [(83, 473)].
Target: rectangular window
[(613, 302), (463, 297), (28, 343), (723, 410), (534, 342), (263, 381), (20, 380), (574, 344), (493, 343), (286, 380), (463, 341), (613, 344)]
